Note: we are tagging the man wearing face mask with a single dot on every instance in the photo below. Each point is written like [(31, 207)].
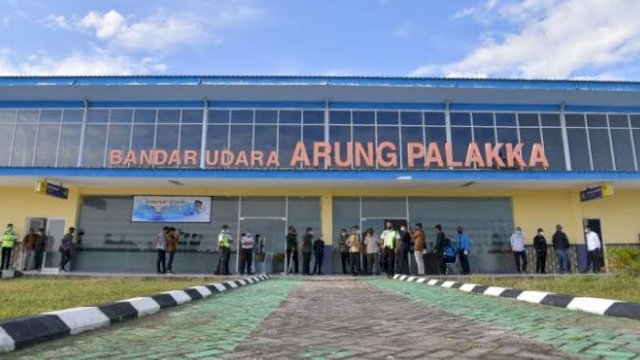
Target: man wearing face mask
[(224, 246), (307, 247), (402, 251), (593, 249), (464, 246), (344, 250), (540, 244), (519, 254), (247, 243), (389, 238)]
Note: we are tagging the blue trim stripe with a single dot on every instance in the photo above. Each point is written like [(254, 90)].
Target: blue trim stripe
[(40, 104), (433, 175)]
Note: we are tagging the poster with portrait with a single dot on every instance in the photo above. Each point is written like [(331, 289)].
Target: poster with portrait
[(176, 209)]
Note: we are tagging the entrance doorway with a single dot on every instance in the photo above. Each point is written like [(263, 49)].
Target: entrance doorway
[(596, 226), (378, 224), (269, 233), (54, 229)]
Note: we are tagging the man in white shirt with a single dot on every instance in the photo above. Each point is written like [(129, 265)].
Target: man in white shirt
[(247, 243), (593, 249), (519, 253)]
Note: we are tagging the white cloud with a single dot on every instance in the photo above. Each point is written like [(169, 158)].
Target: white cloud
[(555, 39), (479, 13), (56, 22), (405, 30)]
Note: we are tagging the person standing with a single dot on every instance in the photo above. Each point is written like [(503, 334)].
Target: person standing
[(247, 243), (593, 249), (306, 249), (161, 249), (402, 251), (9, 238), (519, 254), (318, 251), (439, 248), (66, 246), (389, 238), (372, 244), (292, 249), (354, 243), (418, 247), (28, 249), (560, 243), (464, 247), (41, 247), (540, 244), (224, 247), (173, 238), (344, 250)]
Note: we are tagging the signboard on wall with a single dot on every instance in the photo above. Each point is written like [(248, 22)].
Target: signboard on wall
[(597, 192), (177, 209), (47, 188)]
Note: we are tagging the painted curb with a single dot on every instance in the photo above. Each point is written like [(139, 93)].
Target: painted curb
[(590, 305), (22, 332)]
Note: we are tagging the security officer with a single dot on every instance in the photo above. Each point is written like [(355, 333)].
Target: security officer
[(389, 239), (224, 246), (8, 240)]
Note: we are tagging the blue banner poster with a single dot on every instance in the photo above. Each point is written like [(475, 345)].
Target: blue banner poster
[(177, 209)]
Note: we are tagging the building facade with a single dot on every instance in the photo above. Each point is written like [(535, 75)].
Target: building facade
[(263, 153)]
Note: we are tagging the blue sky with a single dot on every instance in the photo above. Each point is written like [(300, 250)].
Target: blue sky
[(584, 39)]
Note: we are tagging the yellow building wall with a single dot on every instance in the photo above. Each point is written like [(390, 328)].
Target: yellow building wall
[(532, 208)]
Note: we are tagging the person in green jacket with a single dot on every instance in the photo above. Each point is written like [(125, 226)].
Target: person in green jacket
[(9, 239)]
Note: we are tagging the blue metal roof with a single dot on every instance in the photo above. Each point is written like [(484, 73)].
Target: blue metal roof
[(585, 85)]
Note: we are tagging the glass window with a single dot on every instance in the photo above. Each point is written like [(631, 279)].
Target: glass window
[(411, 134), (635, 121), (483, 135), (314, 117), (95, 140), (622, 149), (636, 144), (121, 116), (289, 137), (577, 149), (341, 134), (460, 119), (553, 147), (219, 116), (7, 117), (98, 116), (242, 116), (119, 137), (142, 138), (364, 135), (311, 134), (529, 136), (6, 134), (28, 116), (461, 137), (574, 120), (434, 119), (266, 139), (391, 134), (619, 121), (266, 116), (69, 145), (265, 206), (411, 118), (505, 119), (192, 116), (340, 117), (436, 134), (507, 135), (191, 138), (290, 117), (241, 138), (305, 212), (596, 121), (145, 117), (528, 120), (600, 149), (23, 145), (482, 119), (167, 137), (168, 116), (72, 116), (218, 137), (364, 117), (51, 116), (549, 120), (387, 118), (383, 207)]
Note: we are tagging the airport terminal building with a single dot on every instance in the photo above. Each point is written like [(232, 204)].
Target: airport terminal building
[(120, 157)]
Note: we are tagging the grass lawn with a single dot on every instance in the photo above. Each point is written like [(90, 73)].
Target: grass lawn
[(616, 287), (32, 295)]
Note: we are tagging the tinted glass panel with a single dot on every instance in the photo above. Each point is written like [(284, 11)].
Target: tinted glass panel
[(241, 137), (168, 116), (364, 135), (596, 120), (7, 116), (636, 143), (313, 117), (460, 119), (6, 134), (340, 134), (310, 135), (622, 149), (528, 120), (505, 119), (23, 145), (482, 119), (600, 149), (28, 116), (461, 137), (434, 118), (98, 116), (121, 116), (94, 146), (69, 145), (219, 116), (411, 118), (289, 137), (507, 135), (191, 137), (387, 117), (553, 148), (266, 138), (364, 117), (550, 120), (483, 135), (142, 137), (266, 116), (574, 120), (145, 116), (72, 116), (192, 116), (577, 149), (167, 137), (119, 137), (435, 134), (529, 136), (51, 116), (218, 137), (290, 117), (340, 117), (635, 121), (619, 121), (411, 135)]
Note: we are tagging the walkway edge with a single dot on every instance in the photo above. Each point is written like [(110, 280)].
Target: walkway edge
[(22, 332), (598, 306)]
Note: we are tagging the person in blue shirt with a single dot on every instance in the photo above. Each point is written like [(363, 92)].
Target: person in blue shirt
[(464, 246)]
